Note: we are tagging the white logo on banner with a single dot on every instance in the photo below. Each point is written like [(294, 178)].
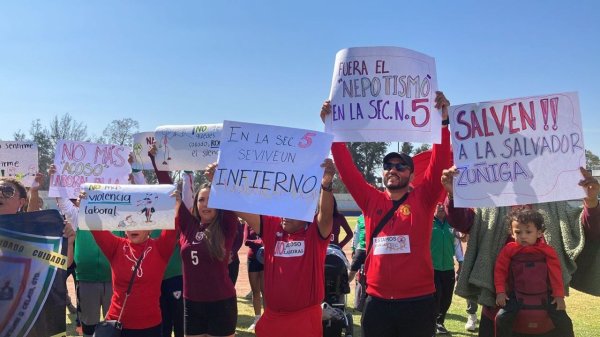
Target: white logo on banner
[(397, 244), (289, 249)]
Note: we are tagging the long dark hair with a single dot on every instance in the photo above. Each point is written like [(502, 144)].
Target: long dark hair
[(214, 232)]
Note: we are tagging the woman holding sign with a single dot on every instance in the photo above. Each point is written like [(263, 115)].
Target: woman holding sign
[(141, 316), (206, 240), (294, 264), (13, 197), (579, 227)]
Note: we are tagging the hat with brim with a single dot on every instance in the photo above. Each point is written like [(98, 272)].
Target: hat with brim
[(404, 159)]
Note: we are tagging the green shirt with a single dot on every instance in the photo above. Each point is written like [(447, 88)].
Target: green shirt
[(442, 246), (174, 265), (359, 234), (92, 265)]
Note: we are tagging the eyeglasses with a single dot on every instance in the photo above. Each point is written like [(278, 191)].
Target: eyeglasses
[(7, 191), (399, 167)]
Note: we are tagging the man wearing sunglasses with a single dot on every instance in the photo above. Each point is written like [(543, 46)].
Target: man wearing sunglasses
[(400, 283)]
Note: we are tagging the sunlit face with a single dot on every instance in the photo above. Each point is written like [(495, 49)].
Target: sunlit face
[(525, 234), (206, 214), (10, 200), (138, 236), (291, 225), (394, 179)]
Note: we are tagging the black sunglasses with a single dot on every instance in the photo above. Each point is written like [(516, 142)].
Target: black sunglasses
[(7, 191), (399, 167)]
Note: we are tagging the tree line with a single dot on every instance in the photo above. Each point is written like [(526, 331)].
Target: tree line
[(367, 156)]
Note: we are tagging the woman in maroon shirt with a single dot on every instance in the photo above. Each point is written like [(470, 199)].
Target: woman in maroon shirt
[(339, 223), (206, 240)]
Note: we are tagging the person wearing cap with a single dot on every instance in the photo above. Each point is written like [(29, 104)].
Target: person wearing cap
[(400, 282)]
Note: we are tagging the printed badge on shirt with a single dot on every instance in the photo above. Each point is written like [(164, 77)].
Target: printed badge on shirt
[(396, 244), (289, 249)]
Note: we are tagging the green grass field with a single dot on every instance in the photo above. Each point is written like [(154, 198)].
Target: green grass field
[(581, 308)]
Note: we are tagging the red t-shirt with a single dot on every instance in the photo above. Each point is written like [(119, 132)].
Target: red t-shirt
[(399, 265), (142, 309), (294, 266), (204, 279), (511, 249)]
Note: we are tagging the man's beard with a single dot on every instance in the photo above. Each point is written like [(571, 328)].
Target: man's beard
[(401, 185)]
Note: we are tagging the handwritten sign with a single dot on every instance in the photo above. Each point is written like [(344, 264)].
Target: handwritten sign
[(141, 144), (187, 147), (78, 163), (19, 160), (269, 170), (383, 94), (127, 207), (517, 151)]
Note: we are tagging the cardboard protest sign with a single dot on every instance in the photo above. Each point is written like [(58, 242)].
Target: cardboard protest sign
[(269, 170), (141, 144), (127, 207), (19, 160), (33, 261), (383, 94), (517, 151), (187, 147), (78, 163)]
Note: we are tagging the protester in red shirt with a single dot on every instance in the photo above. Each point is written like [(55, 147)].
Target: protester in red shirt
[(294, 265), (142, 316), (400, 281), (526, 227)]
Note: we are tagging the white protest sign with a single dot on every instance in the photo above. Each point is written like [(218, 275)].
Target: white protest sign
[(269, 170), (383, 94), (127, 207), (19, 160), (79, 162), (187, 147), (141, 144), (517, 151)]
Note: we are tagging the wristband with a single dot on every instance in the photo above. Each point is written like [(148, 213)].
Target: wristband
[(135, 170), (328, 188), (446, 121)]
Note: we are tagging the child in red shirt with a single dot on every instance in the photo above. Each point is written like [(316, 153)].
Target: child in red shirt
[(526, 227)]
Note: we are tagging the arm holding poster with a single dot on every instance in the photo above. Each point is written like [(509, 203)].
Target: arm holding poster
[(325, 215), (253, 220), (591, 211), (35, 202), (348, 171), (460, 219)]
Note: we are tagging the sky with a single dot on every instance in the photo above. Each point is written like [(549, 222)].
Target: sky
[(271, 62)]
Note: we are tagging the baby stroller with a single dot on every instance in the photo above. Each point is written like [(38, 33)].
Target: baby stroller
[(335, 318)]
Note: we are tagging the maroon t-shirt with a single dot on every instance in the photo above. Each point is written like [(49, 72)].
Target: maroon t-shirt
[(204, 279)]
